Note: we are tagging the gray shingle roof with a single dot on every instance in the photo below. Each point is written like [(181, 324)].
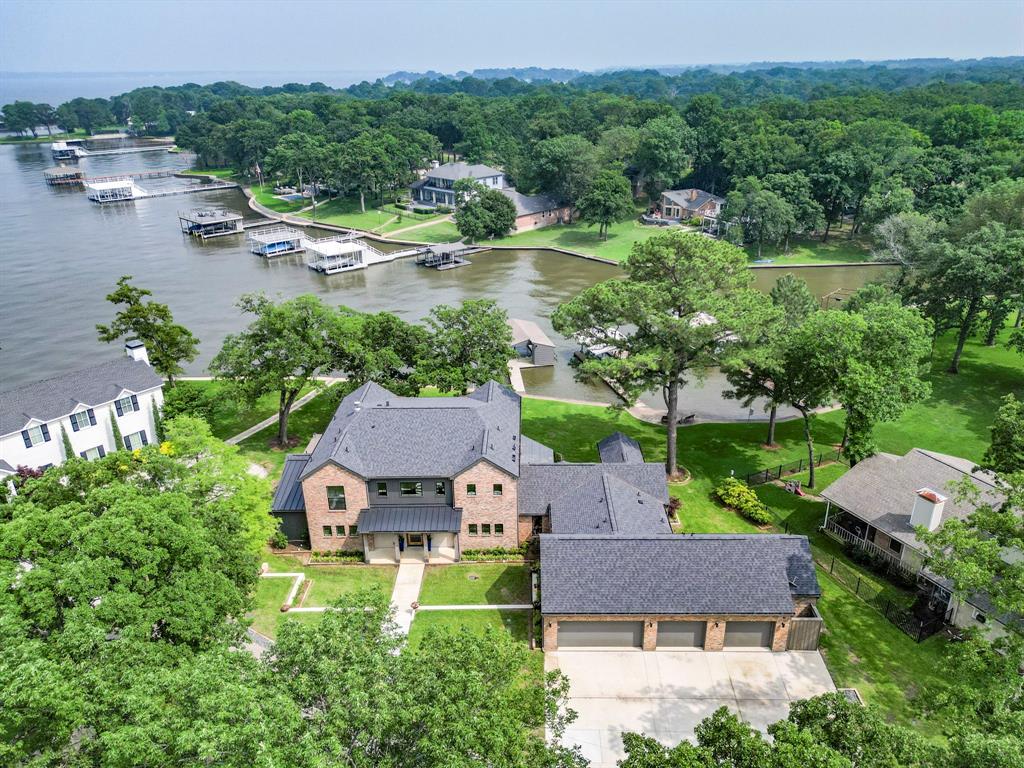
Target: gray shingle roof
[(680, 574), (527, 330), (534, 452), (542, 484), (461, 170), (376, 434), (618, 448), (60, 396), (881, 490), (418, 518), (529, 204), (608, 504), (681, 197), (288, 495)]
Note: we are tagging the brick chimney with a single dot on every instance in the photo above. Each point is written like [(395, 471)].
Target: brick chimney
[(693, 194), (136, 350), (928, 506)]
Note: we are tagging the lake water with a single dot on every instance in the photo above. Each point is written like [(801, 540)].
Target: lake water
[(60, 255)]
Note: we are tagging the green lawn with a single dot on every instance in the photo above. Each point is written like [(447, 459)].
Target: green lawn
[(515, 622), (344, 212), (312, 417), (231, 417), (265, 196), (442, 232), (479, 584), (806, 250), (584, 239), (220, 173), (44, 138)]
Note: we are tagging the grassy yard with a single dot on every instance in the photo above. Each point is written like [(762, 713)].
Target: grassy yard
[(584, 239), (265, 196), (478, 584), (231, 417), (805, 250), (516, 623), (442, 232), (220, 173), (344, 212)]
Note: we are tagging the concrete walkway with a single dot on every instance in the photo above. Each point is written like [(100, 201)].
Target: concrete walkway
[(406, 592), (270, 420)]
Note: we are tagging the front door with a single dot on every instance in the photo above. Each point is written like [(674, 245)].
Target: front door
[(414, 539)]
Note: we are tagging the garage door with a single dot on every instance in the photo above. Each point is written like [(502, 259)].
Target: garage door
[(749, 634), (600, 634), (681, 634)]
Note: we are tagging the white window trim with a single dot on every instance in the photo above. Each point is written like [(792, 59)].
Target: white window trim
[(33, 431)]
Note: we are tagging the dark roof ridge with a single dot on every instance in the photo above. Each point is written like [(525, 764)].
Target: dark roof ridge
[(679, 536), (941, 458)]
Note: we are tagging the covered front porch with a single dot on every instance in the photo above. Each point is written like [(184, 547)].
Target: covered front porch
[(411, 533)]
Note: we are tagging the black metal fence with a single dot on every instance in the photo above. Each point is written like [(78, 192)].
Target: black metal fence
[(896, 606), (792, 468)]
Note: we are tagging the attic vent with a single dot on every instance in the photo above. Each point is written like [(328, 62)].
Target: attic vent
[(639, 500)]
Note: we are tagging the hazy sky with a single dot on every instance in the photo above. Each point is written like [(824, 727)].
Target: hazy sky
[(304, 35)]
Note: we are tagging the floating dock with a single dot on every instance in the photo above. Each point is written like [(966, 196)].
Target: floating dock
[(113, 191), (446, 255), (276, 241), (205, 223)]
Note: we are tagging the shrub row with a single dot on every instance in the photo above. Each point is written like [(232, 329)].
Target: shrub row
[(495, 553), (739, 496), (336, 556)]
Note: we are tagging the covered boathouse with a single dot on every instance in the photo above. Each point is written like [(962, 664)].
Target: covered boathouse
[(275, 241), (210, 222), (331, 255), (113, 190)]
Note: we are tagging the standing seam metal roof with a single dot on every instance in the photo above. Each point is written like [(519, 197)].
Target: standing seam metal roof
[(410, 517), (288, 495)]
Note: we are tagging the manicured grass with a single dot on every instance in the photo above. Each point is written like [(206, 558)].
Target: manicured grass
[(266, 613), (231, 417), (478, 584), (329, 582), (265, 196), (344, 212), (44, 138), (516, 623), (442, 232), (220, 173), (810, 250), (864, 651), (302, 424), (584, 239), (710, 518)]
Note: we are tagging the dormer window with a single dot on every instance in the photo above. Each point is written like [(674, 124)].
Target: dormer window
[(411, 488), (382, 489)]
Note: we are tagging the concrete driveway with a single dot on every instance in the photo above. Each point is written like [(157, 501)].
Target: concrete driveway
[(665, 694)]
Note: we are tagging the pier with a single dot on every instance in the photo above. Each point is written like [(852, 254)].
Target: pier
[(210, 222), (113, 191), (275, 241), (446, 255), (64, 175)]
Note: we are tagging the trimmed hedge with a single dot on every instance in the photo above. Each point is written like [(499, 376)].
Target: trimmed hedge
[(337, 556), (741, 497), (496, 553)]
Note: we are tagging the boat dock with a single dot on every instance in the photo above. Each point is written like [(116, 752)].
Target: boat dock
[(446, 255), (69, 175), (205, 223), (64, 176), (274, 241)]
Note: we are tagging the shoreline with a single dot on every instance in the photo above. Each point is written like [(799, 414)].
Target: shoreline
[(289, 218)]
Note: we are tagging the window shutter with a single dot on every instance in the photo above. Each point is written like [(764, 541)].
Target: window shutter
[(125, 441), (102, 452), (120, 411), (82, 454), (135, 402), (26, 438), (142, 434), (74, 423), (92, 417), (46, 433)]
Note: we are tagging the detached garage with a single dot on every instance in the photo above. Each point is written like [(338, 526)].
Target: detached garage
[(669, 592), (749, 634), (600, 634)]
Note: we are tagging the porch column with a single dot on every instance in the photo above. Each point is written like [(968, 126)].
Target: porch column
[(366, 549), (550, 634), (458, 547), (650, 634), (828, 506)]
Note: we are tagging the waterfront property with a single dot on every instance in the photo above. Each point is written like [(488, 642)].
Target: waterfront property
[(536, 211), (681, 204), (275, 241), (529, 341), (445, 255), (340, 253), (84, 404), (205, 223), (437, 187), (63, 151), (113, 190), (878, 505)]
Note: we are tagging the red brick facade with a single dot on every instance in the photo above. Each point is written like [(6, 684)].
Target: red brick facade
[(486, 508), (318, 515)]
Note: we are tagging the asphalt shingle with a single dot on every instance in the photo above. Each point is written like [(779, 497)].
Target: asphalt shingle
[(618, 448), (675, 574)]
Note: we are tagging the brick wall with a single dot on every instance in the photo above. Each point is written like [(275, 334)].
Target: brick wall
[(543, 219), (314, 490), (485, 507), (525, 527)]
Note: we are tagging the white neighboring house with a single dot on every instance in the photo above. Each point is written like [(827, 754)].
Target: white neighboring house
[(83, 403)]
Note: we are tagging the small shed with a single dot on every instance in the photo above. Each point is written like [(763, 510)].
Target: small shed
[(528, 340), (210, 222)]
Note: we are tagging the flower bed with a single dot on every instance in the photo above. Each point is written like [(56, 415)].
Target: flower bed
[(335, 557)]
